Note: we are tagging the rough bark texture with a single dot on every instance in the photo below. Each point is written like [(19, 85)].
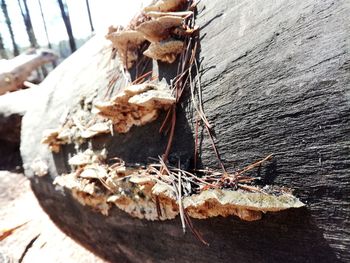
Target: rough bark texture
[(275, 79)]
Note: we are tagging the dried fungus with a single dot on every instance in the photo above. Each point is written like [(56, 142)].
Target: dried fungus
[(157, 24), (76, 127), (148, 193), (159, 29), (166, 5), (136, 105), (39, 167), (246, 205), (156, 14), (165, 51), (88, 157), (127, 43)]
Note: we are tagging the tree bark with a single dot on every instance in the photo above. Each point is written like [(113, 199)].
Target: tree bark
[(8, 23), (275, 79), (66, 20)]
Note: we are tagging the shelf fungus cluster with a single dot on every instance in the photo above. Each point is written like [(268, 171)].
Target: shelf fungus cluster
[(160, 28), (153, 193), (76, 127), (136, 105)]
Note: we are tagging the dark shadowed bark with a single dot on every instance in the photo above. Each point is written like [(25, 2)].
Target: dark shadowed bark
[(28, 23), (66, 20), (90, 19), (8, 23)]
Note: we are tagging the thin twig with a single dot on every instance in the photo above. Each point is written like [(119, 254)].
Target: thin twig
[(171, 136), (251, 166), (28, 246), (181, 209)]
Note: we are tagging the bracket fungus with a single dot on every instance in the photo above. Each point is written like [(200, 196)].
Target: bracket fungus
[(157, 24), (137, 191), (76, 128), (159, 29), (165, 5), (39, 167), (127, 43), (136, 105), (165, 51)]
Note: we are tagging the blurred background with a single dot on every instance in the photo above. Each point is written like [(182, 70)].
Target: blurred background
[(61, 25)]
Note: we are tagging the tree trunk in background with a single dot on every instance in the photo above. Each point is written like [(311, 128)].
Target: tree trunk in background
[(3, 54), (8, 23), (66, 20), (44, 23), (28, 23), (49, 45), (89, 13)]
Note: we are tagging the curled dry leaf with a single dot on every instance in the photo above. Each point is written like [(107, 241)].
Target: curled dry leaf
[(165, 51), (136, 105), (160, 28), (166, 5), (127, 43)]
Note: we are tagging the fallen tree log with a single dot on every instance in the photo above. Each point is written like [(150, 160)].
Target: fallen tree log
[(13, 72), (275, 79)]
